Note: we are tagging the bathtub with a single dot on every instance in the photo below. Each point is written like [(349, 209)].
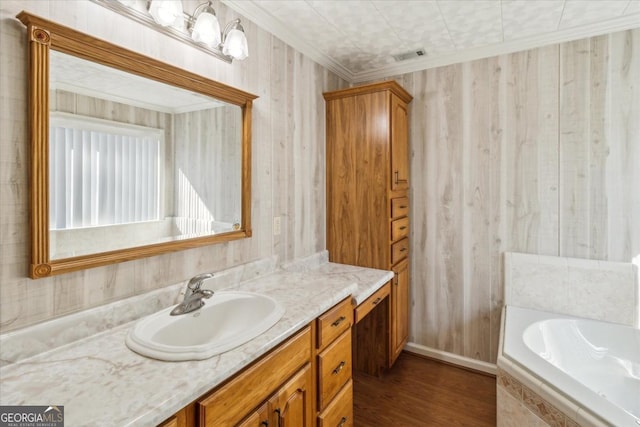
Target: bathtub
[(581, 371)]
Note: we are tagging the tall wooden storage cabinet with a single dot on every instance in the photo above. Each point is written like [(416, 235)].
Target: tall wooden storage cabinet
[(367, 189)]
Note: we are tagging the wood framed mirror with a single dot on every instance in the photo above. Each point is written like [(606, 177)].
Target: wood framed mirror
[(130, 157)]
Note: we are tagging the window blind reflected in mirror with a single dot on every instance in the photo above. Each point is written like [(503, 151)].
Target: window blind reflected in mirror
[(103, 173)]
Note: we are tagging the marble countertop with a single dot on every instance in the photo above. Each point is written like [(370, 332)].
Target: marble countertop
[(100, 382)]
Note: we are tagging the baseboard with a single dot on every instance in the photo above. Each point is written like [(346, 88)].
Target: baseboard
[(455, 359)]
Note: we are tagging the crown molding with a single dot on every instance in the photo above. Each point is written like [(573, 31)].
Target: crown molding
[(264, 20)]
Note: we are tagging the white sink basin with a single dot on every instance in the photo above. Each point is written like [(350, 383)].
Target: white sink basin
[(227, 320)]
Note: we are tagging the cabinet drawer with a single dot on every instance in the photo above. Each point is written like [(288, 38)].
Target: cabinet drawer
[(230, 403), (334, 369), (399, 228), (370, 303), (334, 322), (399, 207), (399, 250), (339, 413)]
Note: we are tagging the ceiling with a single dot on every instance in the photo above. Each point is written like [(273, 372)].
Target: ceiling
[(79, 76), (357, 38)]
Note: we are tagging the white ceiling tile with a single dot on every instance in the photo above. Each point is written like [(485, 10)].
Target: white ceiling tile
[(419, 24), (304, 20), (360, 22), (271, 5), (298, 15), (472, 23), (363, 26), (523, 18), (582, 12)]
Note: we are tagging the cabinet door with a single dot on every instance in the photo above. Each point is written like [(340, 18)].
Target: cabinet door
[(186, 417), (291, 406), (258, 418), (399, 145), (399, 310)]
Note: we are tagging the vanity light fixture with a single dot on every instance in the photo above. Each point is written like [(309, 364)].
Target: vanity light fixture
[(200, 29), (203, 26)]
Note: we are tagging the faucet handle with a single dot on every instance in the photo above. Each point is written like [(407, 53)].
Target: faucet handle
[(205, 293), (196, 281)]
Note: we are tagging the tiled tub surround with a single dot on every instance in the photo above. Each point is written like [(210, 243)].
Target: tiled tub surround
[(101, 382), (601, 290), (531, 389)]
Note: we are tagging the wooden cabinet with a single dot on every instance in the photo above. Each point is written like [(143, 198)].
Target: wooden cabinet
[(339, 413), (399, 144), (288, 406), (257, 418), (334, 366), (171, 422), (239, 400), (291, 406), (368, 195), (186, 417), (399, 312)]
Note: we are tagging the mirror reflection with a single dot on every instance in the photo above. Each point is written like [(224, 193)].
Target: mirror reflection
[(134, 162)]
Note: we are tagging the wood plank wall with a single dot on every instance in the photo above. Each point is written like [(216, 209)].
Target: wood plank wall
[(208, 158), (535, 151), (288, 161)]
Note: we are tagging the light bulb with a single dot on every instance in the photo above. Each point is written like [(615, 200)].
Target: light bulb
[(166, 12), (236, 45), (206, 29)]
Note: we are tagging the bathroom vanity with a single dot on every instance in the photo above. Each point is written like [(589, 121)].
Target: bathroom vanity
[(298, 379), (299, 369)]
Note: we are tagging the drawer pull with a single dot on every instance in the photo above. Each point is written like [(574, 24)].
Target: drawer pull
[(342, 422), (339, 368), (377, 301), (398, 180), (403, 249), (265, 423), (403, 207), (337, 322), (404, 227)]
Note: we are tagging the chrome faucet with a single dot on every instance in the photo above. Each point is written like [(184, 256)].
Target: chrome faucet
[(193, 296)]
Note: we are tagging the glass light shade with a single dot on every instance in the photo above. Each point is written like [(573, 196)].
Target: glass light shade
[(206, 29), (236, 45), (166, 12)]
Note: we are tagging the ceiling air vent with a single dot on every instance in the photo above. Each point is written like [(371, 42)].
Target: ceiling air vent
[(409, 55)]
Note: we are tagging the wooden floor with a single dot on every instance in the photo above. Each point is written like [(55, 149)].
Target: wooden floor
[(421, 392)]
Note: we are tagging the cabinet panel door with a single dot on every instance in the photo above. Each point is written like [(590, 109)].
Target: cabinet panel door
[(258, 418), (400, 310), (399, 145), (291, 406)]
